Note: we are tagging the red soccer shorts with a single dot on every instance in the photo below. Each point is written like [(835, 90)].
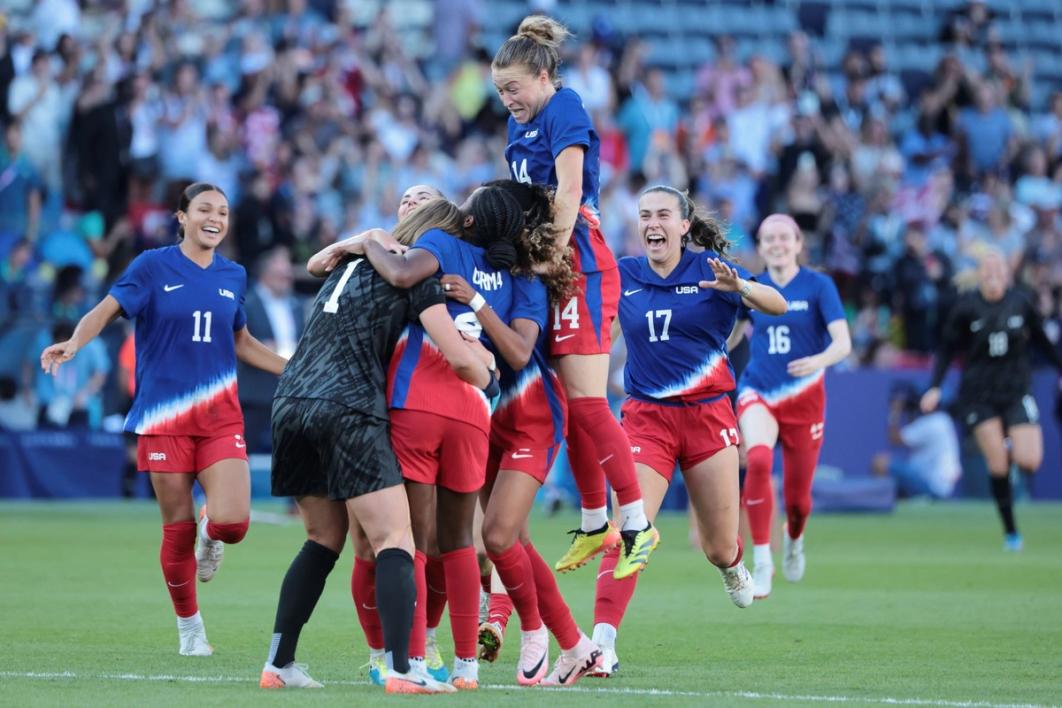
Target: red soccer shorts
[(660, 435), (433, 449), (582, 323), (189, 454), (534, 462), (801, 418)]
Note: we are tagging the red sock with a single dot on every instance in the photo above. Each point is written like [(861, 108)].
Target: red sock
[(613, 449), (514, 569), (461, 570), (587, 472), (798, 470), (227, 533), (436, 590), (363, 590), (501, 609), (177, 556), (759, 490), (418, 634), (613, 596), (551, 605)]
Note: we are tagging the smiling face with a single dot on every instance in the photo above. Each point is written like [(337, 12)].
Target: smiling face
[(779, 243), (522, 93), (993, 276), (414, 197), (206, 222), (661, 226)]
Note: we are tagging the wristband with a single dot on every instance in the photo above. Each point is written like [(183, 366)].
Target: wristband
[(492, 389), (747, 290), (477, 302)]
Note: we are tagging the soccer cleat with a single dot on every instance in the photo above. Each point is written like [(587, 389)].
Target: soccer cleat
[(433, 661), (738, 584), (208, 553), (572, 666), (490, 641), (609, 664), (415, 681), (792, 557), (291, 676), (634, 554), (762, 576), (377, 668), (194, 642), (585, 545), (465, 676), (1013, 542), (534, 656)]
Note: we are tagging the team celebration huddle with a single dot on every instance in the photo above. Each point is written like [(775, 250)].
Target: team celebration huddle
[(443, 364)]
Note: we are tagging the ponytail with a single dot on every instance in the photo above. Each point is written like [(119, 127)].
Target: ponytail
[(705, 231)]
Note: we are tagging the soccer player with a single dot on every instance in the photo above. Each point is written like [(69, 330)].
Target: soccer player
[(187, 303), (332, 450), (552, 141), (527, 429), (782, 396), (677, 310), (439, 429), (991, 329)]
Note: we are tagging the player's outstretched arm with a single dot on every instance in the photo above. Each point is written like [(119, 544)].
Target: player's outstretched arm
[(567, 200), (401, 270), (87, 329), (762, 298), (253, 353), (514, 343), (840, 347), (437, 323)]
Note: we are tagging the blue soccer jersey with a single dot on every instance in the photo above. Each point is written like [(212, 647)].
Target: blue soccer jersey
[(531, 154), (800, 332), (531, 410), (185, 317), (420, 377), (675, 331)]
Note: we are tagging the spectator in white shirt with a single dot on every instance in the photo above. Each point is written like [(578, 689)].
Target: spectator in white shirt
[(931, 466)]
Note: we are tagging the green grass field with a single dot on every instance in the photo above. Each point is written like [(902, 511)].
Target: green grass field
[(918, 608)]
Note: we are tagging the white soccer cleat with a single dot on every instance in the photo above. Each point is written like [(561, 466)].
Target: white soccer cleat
[(762, 577), (572, 665), (534, 657), (208, 553), (465, 676), (416, 681), (609, 664), (291, 676), (194, 641), (738, 584), (792, 557)]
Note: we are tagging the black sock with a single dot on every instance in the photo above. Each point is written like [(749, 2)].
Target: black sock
[(396, 594), (299, 593), (1001, 491)]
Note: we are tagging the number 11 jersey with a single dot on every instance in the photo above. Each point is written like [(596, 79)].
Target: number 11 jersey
[(185, 317)]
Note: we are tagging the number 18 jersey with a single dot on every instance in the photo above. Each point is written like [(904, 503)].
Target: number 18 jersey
[(185, 350)]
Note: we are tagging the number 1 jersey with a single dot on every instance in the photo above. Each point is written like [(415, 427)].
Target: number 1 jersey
[(185, 316)]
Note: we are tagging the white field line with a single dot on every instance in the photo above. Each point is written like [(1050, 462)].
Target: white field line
[(618, 691)]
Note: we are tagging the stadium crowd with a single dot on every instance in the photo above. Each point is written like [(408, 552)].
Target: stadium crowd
[(313, 118)]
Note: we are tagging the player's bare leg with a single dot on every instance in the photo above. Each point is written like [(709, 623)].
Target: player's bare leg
[(227, 484), (991, 440)]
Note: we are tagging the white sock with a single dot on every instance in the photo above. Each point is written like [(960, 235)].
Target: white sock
[(373, 653), (593, 519), (761, 555), (430, 634), (187, 624), (604, 636), (632, 516)]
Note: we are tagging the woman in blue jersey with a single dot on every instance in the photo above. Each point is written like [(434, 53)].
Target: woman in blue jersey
[(551, 141), (781, 395), (677, 310), (187, 301)]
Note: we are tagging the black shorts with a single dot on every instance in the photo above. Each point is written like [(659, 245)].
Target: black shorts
[(1019, 411), (324, 449)]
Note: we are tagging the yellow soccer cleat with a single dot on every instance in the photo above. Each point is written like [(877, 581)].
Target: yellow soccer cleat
[(586, 545), (634, 553)]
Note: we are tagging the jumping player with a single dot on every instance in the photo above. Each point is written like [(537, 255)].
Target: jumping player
[(332, 452), (782, 395), (551, 141), (678, 308), (187, 303), (991, 328)]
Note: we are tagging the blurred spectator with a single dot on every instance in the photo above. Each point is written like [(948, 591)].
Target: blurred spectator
[(276, 318), (931, 466), (20, 188), (918, 274), (35, 102), (591, 81), (924, 149), (987, 133), (648, 116), (99, 142), (261, 220), (721, 79), (70, 398)]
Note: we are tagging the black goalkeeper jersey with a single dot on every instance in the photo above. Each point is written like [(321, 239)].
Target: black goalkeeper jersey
[(992, 339), (351, 333)]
